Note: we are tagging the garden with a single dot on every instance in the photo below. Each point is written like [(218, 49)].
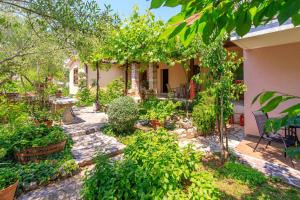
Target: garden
[(36, 148)]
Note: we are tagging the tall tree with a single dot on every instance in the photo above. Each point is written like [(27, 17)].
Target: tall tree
[(90, 45), (137, 42)]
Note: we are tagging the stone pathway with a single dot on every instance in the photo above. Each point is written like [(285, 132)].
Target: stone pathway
[(287, 174), (86, 147), (211, 144), (89, 141)]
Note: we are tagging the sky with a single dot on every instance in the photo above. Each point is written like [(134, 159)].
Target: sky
[(124, 8)]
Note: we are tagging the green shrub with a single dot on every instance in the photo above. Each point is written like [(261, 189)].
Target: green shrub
[(85, 97), (243, 173), (7, 177), (158, 109), (55, 166), (204, 115), (122, 114), (34, 136), (154, 167), (113, 90)]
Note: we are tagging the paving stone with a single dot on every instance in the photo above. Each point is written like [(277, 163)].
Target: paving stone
[(88, 122), (86, 147)]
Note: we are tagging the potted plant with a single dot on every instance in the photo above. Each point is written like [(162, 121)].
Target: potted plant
[(8, 183), (43, 117), (58, 94), (158, 111), (33, 143)]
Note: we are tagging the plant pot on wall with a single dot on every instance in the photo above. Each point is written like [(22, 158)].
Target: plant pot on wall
[(9, 192)]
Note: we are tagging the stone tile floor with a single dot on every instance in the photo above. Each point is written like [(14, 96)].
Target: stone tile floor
[(236, 137)]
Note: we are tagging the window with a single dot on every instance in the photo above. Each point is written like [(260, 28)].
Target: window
[(75, 76)]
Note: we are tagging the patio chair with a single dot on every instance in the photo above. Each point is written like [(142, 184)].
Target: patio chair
[(171, 91), (261, 119)]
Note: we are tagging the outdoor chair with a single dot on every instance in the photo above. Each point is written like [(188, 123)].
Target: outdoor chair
[(171, 91), (261, 119)]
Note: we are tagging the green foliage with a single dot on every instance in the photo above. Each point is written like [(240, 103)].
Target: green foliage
[(13, 114), (34, 136), (113, 90), (243, 173), (204, 114), (137, 40), (7, 177), (55, 166), (212, 18), (122, 114), (85, 97), (154, 167), (271, 100), (153, 108), (219, 80)]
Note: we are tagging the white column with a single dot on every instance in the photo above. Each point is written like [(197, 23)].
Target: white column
[(134, 80), (152, 77)]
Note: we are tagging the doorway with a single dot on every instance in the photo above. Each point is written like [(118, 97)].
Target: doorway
[(165, 80)]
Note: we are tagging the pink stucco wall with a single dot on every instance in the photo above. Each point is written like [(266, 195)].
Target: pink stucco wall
[(270, 68)]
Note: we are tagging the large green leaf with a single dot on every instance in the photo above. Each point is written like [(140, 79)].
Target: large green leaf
[(289, 9), (296, 19), (243, 22), (266, 96), (272, 104), (157, 3), (177, 30), (176, 19), (256, 97), (294, 110), (171, 3)]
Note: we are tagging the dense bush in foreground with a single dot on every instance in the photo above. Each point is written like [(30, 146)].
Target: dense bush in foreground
[(122, 114), (154, 167)]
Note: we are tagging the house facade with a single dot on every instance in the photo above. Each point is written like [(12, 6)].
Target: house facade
[(271, 63), (106, 76)]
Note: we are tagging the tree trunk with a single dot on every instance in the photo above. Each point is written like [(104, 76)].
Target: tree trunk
[(86, 74), (97, 87), (126, 78)]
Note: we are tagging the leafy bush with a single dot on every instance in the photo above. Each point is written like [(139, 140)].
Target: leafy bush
[(243, 173), (14, 114), (122, 114), (112, 91), (154, 167), (56, 166), (7, 177), (158, 109), (85, 97), (204, 115), (34, 136)]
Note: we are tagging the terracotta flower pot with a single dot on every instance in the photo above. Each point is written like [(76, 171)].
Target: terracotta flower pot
[(155, 123), (58, 94), (48, 123), (9, 192)]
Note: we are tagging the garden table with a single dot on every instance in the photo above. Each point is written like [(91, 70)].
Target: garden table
[(66, 104), (291, 131)]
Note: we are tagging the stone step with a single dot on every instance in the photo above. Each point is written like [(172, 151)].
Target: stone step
[(87, 147)]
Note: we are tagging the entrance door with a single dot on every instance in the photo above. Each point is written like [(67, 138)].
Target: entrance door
[(165, 80)]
